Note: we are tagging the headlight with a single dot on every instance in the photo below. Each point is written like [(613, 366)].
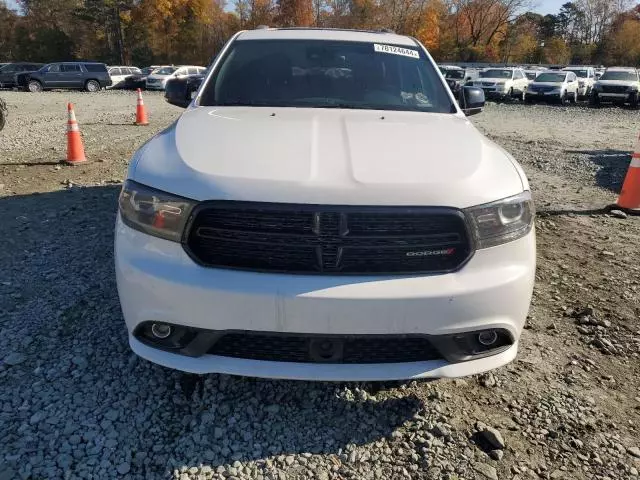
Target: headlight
[(596, 87), (503, 221), (154, 212), (632, 88)]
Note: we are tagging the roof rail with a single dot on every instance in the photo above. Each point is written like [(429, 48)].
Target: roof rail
[(262, 27), (386, 30)]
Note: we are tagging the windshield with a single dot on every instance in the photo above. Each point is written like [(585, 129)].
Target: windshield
[(625, 76), (579, 73), (530, 75), (551, 77), (455, 74), (493, 73), (326, 74), (164, 71)]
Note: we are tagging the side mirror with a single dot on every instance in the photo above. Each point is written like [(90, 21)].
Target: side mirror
[(177, 92), (471, 100)]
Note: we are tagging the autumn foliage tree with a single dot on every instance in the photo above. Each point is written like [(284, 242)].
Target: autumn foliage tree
[(144, 32)]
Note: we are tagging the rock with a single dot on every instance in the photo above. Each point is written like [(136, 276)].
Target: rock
[(496, 454), (487, 380), (124, 468), (36, 417), (7, 473), (14, 358), (558, 475), (112, 415), (606, 253), (79, 362), (634, 451), (618, 214), (289, 459), (441, 430), (272, 409), (491, 435), (64, 461), (486, 470)]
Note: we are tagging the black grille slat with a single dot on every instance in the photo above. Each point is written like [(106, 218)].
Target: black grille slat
[(296, 348), (322, 239)]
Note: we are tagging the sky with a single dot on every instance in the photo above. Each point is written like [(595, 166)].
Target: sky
[(542, 6)]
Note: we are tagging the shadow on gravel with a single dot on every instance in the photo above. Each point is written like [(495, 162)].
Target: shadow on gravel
[(31, 164), (613, 166), (82, 404)]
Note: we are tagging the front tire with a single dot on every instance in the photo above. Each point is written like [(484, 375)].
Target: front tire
[(633, 100), (92, 86), (594, 100), (563, 98), (573, 99), (34, 86)]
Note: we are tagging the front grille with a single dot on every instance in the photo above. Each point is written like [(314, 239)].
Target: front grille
[(341, 349), (542, 89), (318, 239), (614, 89), (488, 84)]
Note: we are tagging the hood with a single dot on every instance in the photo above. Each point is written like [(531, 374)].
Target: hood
[(327, 156)]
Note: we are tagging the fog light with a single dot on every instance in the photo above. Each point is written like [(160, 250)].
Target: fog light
[(160, 330), (488, 337)]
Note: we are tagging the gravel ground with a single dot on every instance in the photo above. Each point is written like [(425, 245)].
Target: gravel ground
[(76, 403)]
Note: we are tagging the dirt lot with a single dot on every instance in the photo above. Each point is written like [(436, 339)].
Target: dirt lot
[(76, 403)]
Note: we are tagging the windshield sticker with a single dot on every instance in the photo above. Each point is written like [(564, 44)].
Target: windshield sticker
[(405, 52)]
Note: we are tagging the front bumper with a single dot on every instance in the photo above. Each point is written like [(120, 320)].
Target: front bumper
[(494, 93), (157, 281), (531, 94), (155, 86), (614, 96)]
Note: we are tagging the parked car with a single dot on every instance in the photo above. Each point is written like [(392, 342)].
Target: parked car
[(158, 79), (503, 83), (586, 79), (456, 77), (89, 76), (119, 75), (324, 210), (184, 87), (9, 71), (557, 86), (138, 80), (617, 84), (532, 74)]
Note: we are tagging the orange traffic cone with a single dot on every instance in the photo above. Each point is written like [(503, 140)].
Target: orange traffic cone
[(629, 199), (141, 112), (75, 149)]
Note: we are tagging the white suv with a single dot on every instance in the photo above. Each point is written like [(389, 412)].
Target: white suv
[(158, 79), (324, 210), (618, 85), (503, 82), (586, 79), (119, 75)]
